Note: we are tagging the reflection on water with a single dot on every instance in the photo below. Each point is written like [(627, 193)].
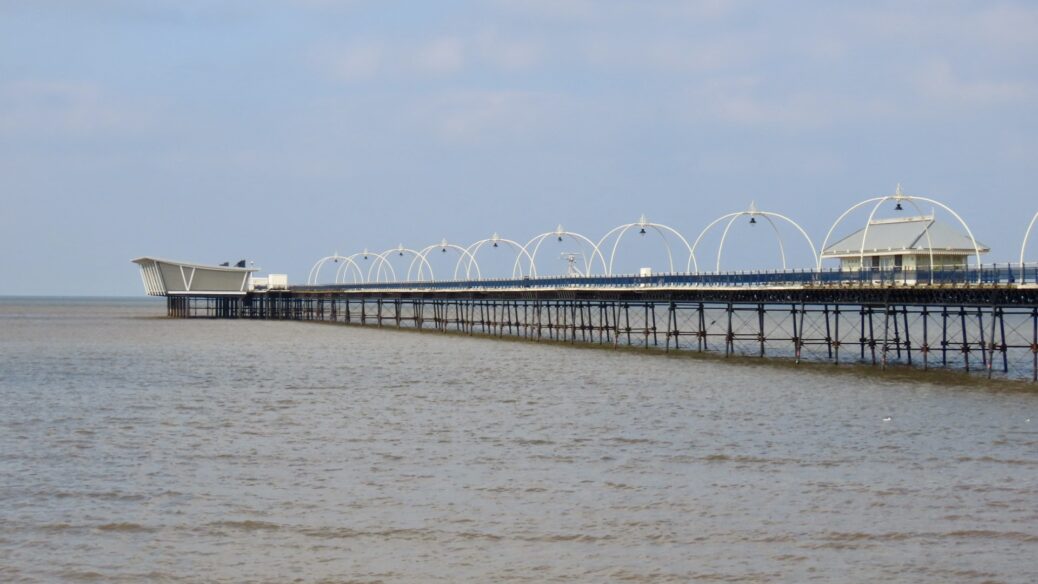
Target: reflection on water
[(135, 448)]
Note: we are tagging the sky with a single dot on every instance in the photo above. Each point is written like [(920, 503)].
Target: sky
[(284, 131)]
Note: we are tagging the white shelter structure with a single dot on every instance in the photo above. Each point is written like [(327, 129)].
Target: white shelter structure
[(169, 277), (907, 243)]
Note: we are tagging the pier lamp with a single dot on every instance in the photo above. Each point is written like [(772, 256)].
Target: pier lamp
[(753, 212)]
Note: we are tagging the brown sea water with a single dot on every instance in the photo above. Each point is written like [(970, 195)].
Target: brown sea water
[(136, 448)]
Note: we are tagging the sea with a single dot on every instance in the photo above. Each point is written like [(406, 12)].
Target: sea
[(136, 448)]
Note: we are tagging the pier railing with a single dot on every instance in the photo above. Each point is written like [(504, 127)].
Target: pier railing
[(986, 275)]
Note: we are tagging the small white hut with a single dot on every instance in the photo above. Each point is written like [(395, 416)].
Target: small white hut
[(907, 243)]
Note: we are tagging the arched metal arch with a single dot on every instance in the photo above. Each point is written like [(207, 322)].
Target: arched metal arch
[(444, 245), (753, 212), (898, 196), (560, 233), (315, 271), (495, 239), (352, 261), (381, 263), (659, 228), (1027, 235)]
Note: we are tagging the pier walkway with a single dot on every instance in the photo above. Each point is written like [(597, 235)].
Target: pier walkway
[(980, 320)]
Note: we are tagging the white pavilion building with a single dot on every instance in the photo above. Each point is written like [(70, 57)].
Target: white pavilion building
[(908, 243)]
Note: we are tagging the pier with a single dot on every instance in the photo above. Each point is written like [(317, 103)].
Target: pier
[(905, 295)]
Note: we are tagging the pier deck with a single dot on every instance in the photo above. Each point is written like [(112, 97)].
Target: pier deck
[(986, 327)]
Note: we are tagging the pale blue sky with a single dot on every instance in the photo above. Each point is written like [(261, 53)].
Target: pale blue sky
[(285, 130)]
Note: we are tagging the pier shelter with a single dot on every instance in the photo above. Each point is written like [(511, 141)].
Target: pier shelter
[(905, 243)]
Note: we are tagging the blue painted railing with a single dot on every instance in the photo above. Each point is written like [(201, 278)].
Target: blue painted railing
[(985, 275)]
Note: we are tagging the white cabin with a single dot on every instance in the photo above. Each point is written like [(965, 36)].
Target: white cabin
[(905, 243)]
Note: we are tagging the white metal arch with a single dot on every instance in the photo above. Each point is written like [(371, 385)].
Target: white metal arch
[(560, 233), (496, 240), (380, 260), (659, 228), (381, 263), (315, 271), (899, 197), (358, 270), (752, 213), (444, 245), (1027, 235), (774, 229)]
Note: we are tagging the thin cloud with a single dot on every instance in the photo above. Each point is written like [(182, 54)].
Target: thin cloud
[(476, 116), (353, 62), (436, 57), (674, 55), (599, 11), (505, 53), (35, 107), (440, 56), (938, 83)]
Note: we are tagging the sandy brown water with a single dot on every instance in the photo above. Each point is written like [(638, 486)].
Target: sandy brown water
[(135, 448)]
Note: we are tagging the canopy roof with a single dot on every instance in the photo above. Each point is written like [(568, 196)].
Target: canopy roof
[(905, 235)]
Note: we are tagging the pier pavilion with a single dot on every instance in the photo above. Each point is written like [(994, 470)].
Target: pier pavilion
[(905, 243)]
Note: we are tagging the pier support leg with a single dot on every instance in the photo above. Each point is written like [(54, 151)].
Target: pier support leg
[(729, 337), (760, 327)]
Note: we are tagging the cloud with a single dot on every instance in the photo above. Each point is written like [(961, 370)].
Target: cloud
[(1007, 25), (439, 56), (436, 57), (355, 62), (506, 53), (671, 55), (553, 9), (756, 101), (474, 116), (938, 82), (178, 12), (587, 11), (66, 108)]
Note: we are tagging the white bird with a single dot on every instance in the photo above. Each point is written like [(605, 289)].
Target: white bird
[(887, 419)]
